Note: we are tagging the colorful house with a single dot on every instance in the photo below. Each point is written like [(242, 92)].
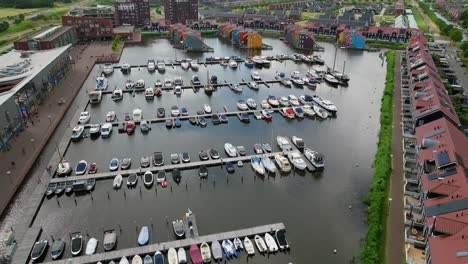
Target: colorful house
[(299, 37), (240, 36), (254, 40), (185, 38), (352, 40)]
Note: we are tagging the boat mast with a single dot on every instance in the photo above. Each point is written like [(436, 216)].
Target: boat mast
[(336, 50), (344, 65)]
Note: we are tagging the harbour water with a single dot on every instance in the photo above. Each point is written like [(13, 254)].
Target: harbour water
[(313, 206)]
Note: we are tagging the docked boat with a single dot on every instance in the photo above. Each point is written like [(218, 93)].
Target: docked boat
[(233, 64), (161, 112), (143, 236), (298, 82), (286, 82), (251, 103), (106, 130), (298, 142), (260, 243), (148, 178), (271, 244), (202, 121), (216, 250), (296, 159), (194, 65), (137, 115), (238, 244), (125, 68), (331, 79), (51, 189), (255, 76), (308, 110), (213, 79), (147, 260), (266, 115), (185, 157), (167, 83), (144, 126), (287, 112), (158, 258), (81, 167), (77, 133), (258, 148), (114, 164), (69, 187), (110, 239), (283, 143), (172, 256), (257, 61), (325, 104), (283, 163), (317, 159), (340, 76), (101, 83), (205, 252), (175, 111), (293, 100), (229, 249), (195, 80), (161, 177), (117, 181), (195, 254), (306, 99), (140, 84), (223, 118), (268, 164), (320, 112), (129, 84), (273, 101), (137, 260), (151, 65), (76, 244), (284, 101), (236, 87), (161, 66), (178, 227), (107, 69), (58, 247), (91, 246), (298, 111), (242, 105), (132, 180), (214, 154), (253, 85), (63, 168), (185, 65), (181, 255), (241, 150), (110, 116), (257, 165), (264, 104), (281, 239), (248, 63), (84, 117), (207, 108), (230, 167), (249, 246), (39, 249), (178, 90), (125, 163), (123, 260), (231, 151), (117, 94), (89, 184), (149, 93)]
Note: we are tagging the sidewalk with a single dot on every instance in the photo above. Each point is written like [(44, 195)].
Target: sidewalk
[(395, 223), (27, 146)]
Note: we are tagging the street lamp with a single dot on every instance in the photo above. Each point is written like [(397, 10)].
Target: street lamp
[(32, 142), (50, 120)]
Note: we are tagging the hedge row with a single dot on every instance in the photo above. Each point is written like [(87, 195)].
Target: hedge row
[(373, 250), (445, 29)]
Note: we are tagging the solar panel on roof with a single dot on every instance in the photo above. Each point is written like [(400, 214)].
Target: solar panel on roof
[(443, 158), (451, 206), (435, 176), (462, 254)]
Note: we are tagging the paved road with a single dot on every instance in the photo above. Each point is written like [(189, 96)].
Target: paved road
[(460, 72), (395, 222)]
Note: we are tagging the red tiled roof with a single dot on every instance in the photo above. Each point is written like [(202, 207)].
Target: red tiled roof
[(444, 249)]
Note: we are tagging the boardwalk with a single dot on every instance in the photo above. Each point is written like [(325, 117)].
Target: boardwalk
[(163, 247)]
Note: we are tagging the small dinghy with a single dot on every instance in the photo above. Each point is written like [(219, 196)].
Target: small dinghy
[(249, 246), (57, 249), (123, 260), (268, 164), (148, 260), (195, 254), (172, 256), (270, 241), (205, 252), (110, 239), (217, 251), (281, 239), (132, 180), (158, 258), (238, 244), (261, 246), (114, 164), (76, 244), (137, 260), (240, 163), (81, 167), (90, 183), (117, 181), (91, 246), (51, 189), (229, 249), (266, 147), (181, 255), (143, 237), (39, 249), (68, 187), (178, 226), (148, 178)]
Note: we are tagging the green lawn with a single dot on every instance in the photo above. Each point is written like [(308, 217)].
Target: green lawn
[(419, 20), (307, 15), (15, 28), (6, 12)]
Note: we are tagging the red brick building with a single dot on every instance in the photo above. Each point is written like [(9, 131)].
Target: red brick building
[(92, 23), (50, 37)]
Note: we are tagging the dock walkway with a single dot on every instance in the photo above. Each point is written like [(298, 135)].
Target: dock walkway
[(163, 247)]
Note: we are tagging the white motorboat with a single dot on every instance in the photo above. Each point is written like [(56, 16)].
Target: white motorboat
[(298, 111), (261, 246), (320, 112), (253, 85), (185, 65), (268, 164), (137, 115), (251, 103), (172, 256), (242, 105), (249, 246), (77, 132), (194, 65), (296, 159), (295, 75), (106, 130), (125, 68), (207, 108), (233, 64), (91, 246), (39, 249), (178, 81), (76, 244), (238, 244), (84, 118), (257, 165), (205, 252), (114, 164), (273, 101), (264, 104), (161, 66), (283, 163), (140, 84), (217, 251), (298, 142), (151, 65), (167, 83), (123, 260), (297, 82), (64, 168), (177, 90), (325, 104), (137, 260), (308, 110), (181, 255), (149, 93), (331, 79), (286, 82), (293, 100), (110, 116), (236, 87), (231, 151), (317, 159), (284, 101), (81, 167), (175, 111), (117, 94), (255, 76), (283, 143), (129, 84), (107, 69), (148, 178), (195, 80), (117, 181), (101, 83), (287, 112), (271, 244)]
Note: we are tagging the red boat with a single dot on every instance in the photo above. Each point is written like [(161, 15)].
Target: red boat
[(158, 91), (92, 168), (266, 115), (130, 127), (195, 254), (164, 184)]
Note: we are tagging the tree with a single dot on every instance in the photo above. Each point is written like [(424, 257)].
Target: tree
[(4, 26), (115, 43), (456, 35), (464, 45)]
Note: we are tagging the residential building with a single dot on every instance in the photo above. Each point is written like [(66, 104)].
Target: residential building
[(299, 37), (50, 37), (186, 38), (92, 22), (241, 36), (132, 12), (295, 14), (398, 8), (352, 39), (179, 11)]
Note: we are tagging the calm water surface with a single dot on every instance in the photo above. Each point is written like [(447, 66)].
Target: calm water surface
[(313, 206)]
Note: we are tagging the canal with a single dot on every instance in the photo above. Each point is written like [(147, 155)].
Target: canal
[(313, 206)]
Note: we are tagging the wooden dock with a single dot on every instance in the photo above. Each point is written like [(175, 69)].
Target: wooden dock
[(165, 246)]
